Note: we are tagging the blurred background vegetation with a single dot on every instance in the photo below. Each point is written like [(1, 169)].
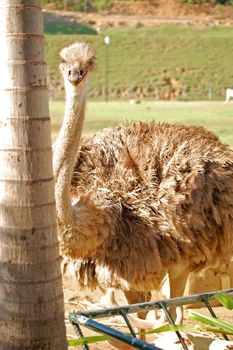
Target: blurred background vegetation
[(79, 5), (100, 5)]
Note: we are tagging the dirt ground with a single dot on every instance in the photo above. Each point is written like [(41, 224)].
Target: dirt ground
[(73, 302)]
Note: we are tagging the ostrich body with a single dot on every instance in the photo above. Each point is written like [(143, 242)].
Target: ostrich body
[(151, 199)]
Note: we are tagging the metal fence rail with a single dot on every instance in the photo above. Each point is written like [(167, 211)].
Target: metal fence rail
[(86, 318)]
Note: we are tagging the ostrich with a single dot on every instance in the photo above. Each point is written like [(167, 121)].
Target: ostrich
[(150, 199)]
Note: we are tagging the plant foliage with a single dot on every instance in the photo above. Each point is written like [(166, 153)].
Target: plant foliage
[(218, 326), (221, 2), (102, 5), (78, 5)]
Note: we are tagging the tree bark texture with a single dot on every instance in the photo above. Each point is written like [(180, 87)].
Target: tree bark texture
[(31, 295)]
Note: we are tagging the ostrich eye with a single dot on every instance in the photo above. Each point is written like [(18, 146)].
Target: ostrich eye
[(69, 71), (81, 72), (63, 61)]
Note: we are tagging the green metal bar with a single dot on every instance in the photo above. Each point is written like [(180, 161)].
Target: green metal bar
[(153, 304), (171, 321), (128, 323), (206, 301), (80, 335)]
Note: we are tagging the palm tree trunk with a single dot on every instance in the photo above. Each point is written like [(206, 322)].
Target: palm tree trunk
[(31, 296)]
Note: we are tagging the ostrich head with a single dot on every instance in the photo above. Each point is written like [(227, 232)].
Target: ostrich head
[(76, 61)]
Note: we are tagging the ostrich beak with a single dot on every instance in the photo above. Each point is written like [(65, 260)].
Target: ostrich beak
[(76, 76)]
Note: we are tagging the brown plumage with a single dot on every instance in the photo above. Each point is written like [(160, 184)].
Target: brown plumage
[(168, 191), (150, 199)]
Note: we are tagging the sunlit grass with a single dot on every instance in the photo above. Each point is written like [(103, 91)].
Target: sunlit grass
[(216, 116)]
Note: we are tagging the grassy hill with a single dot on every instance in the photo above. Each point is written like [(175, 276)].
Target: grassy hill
[(162, 62)]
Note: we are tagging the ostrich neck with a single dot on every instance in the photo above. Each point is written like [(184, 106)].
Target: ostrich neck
[(66, 148)]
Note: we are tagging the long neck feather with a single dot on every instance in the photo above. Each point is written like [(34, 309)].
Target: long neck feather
[(66, 148)]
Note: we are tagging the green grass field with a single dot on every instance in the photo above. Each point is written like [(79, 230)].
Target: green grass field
[(216, 116), (149, 57)]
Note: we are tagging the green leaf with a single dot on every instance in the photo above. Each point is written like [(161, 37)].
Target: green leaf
[(221, 325), (225, 301), (166, 328), (87, 340)]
